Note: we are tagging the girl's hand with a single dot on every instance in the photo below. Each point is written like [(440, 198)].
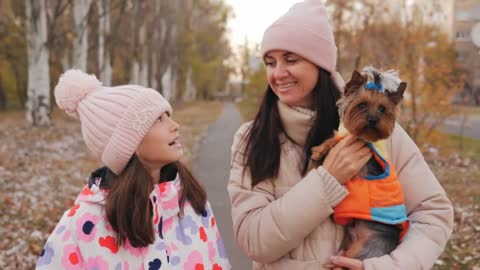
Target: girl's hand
[(341, 262), (346, 158)]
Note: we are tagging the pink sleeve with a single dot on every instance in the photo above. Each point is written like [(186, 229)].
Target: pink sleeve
[(61, 250)]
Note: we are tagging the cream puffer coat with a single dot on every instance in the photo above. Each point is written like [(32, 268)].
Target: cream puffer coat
[(285, 223)]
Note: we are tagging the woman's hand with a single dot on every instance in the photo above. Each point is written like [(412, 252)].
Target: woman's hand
[(341, 262), (346, 158)]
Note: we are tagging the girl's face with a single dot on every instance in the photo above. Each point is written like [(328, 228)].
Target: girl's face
[(291, 77), (161, 144)]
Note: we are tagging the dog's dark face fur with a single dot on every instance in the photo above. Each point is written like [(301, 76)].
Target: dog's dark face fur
[(369, 114)]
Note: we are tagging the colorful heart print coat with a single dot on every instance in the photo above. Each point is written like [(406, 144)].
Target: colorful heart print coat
[(83, 239)]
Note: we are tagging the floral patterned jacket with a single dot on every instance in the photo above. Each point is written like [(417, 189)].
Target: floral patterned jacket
[(83, 239)]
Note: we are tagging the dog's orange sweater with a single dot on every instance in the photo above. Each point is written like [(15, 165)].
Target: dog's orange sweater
[(376, 198)]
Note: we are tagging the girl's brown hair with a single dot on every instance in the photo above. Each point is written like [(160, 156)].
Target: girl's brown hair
[(128, 207)]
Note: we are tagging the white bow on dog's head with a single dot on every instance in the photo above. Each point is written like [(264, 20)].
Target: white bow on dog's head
[(381, 81)]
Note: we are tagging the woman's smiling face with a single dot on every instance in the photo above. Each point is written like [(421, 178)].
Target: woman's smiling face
[(291, 77)]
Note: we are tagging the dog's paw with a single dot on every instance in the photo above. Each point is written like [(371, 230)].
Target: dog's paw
[(320, 151)]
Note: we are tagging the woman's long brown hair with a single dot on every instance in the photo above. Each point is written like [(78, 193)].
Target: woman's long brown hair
[(128, 206), (262, 150)]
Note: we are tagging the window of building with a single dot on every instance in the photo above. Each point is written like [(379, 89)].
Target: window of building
[(462, 55), (463, 36)]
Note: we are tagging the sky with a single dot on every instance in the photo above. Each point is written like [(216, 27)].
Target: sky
[(252, 17)]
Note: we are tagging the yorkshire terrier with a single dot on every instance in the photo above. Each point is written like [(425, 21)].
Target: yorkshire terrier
[(374, 213)]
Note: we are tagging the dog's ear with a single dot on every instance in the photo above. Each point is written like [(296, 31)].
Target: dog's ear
[(354, 84), (397, 96)]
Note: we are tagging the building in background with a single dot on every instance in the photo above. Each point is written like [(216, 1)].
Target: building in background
[(466, 33), (440, 13)]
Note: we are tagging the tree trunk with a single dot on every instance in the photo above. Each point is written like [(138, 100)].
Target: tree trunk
[(134, 72), (65, 60), (38, 93), (190, 90), (167, 84), (104, 62), (152, 79), (80, 41), (143, 45), (174, 88), (166, 54), (21, 85), (139, 71), (135, 65), (3, 100)]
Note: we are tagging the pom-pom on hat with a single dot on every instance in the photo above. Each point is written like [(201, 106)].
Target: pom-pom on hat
[(113, 120), (306, 31)]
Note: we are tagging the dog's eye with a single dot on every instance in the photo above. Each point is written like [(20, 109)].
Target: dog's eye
[(362, 106), (381, 109)]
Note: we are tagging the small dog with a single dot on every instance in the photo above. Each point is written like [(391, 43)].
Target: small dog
[(374, 214)]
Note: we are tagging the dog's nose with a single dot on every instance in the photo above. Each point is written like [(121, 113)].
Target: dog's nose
[(372, 120)]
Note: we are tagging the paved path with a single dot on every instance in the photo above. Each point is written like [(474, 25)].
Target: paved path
[(471, 127), (212, 167)]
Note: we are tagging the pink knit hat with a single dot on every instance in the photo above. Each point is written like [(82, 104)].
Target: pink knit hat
[(304, 30), (113, 120)]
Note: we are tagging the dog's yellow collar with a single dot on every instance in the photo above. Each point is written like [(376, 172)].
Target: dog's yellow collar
[(380, 146)]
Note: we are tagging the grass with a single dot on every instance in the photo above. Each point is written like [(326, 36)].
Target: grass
[(450, 144), (248, 107), (470, 110), (463, 188), (193, 117), (468, 147)]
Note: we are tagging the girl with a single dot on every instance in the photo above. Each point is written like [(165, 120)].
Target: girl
[(144, 209), (281, 212)]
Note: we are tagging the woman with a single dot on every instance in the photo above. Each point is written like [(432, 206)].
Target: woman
[(281, 212), (144, 209)]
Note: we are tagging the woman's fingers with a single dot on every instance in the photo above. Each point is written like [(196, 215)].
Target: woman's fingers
[(347, 140), (363, 152), (364, 157), (348, 144), (346, 158), (349, 263)]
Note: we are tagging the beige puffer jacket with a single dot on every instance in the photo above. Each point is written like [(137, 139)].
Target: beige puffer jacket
[(286, 224)]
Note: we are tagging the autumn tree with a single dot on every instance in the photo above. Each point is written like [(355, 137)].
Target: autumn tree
[(253, 82), (104, 43), (395, 35), (80, 40), (172, 46), (205, 47), (13, 57)]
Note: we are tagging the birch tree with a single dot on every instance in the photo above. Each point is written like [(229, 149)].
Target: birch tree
[(205, 47), (399, 35), (13, 52), (165, 47), (139, 69), (38, 92), (104, 44), (167, 84), (80, 40)]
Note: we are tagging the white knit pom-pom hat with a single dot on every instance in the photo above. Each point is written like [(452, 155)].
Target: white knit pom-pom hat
[(113, 120)]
